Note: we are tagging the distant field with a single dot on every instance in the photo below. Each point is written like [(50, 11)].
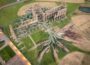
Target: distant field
[(9, 15), (4, 2)]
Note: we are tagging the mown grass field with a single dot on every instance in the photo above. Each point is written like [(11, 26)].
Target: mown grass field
[(9, 15), (71, 8), (5, 2), (7, 53)]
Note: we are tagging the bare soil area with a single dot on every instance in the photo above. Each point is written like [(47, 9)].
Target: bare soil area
[(82, 26), (81, 21), (76, 58)]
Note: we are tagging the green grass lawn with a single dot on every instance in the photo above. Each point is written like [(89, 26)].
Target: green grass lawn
[(38, 36), (62, 23), (9, 15), (7, 53), (4, 2), (71, 8)]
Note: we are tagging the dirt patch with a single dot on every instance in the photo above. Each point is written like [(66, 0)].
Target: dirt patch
[(81, 21), (24, 8), (82, 26), (75, 58)]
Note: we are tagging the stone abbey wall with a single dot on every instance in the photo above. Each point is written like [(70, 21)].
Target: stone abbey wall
[(26, 24)]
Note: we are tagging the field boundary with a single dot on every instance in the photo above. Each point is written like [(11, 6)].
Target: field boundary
[(7, 5)]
